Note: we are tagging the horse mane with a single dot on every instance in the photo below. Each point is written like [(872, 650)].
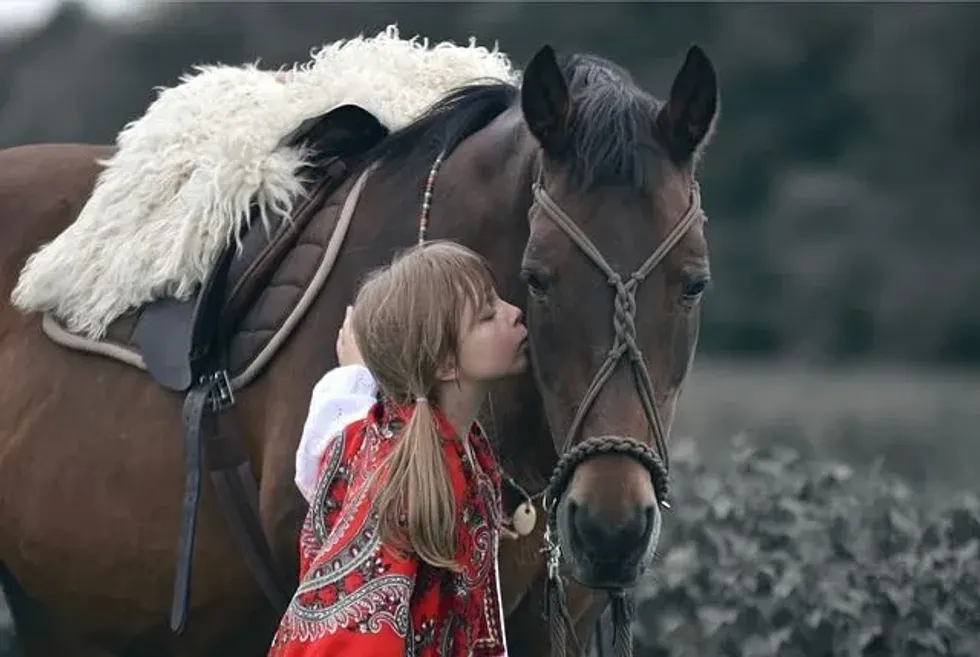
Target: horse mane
[(611, 124), (462, 112)]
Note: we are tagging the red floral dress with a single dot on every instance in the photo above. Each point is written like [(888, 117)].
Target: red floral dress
[(357, 597)]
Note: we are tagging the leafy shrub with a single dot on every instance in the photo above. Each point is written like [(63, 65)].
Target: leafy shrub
[(777, 555), (6, 632)]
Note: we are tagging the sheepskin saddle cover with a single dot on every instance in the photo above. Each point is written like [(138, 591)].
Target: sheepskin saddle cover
[(180, 188)]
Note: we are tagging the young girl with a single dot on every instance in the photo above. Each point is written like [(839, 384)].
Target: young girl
[(398, 554)]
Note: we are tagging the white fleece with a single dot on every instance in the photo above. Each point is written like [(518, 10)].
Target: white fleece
[(180, 186)]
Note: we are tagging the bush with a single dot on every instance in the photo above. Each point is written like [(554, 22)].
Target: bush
[(6, 632), (781, 556)]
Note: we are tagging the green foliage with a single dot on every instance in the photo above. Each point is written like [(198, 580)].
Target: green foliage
[(6, 632), (777, 555)]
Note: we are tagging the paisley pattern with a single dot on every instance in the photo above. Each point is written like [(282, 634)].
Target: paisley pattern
[(358, 597)]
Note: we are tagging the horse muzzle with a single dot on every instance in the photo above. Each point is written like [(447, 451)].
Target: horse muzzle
[(609, 522)]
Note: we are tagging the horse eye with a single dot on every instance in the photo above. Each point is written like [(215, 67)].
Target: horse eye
[(694, 288), (537, 282)]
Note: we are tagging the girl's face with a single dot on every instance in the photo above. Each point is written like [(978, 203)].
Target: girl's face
[(493, 342)]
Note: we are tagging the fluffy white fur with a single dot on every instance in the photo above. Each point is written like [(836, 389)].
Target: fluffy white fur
[(179, 187)]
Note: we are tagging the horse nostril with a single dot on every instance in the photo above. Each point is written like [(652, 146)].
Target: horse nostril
[(637, 531), (586, 532), (650, 516), (575, 523)]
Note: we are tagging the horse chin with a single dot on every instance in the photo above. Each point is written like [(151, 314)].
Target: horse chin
[(601, 577), (592, 568)]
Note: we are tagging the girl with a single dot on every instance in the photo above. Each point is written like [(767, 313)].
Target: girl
[(398, 554)]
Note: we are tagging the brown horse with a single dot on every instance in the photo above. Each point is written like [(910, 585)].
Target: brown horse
[(574, 176)]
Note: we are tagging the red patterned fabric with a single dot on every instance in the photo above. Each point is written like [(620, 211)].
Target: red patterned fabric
[(357, 597)]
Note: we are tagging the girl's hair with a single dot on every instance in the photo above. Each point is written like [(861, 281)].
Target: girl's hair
[(407, 320)]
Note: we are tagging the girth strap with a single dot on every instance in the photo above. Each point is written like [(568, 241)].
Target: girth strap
[(194, 420), (238, 496), (210, 430)]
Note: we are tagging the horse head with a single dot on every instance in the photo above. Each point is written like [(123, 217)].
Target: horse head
[(615, 265)]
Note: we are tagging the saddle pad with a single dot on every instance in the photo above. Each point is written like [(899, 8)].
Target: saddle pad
[(277, 312)]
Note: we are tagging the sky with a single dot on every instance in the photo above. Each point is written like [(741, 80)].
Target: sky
[(16, 15)]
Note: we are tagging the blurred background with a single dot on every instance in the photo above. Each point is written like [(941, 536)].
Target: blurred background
[(841, 187)]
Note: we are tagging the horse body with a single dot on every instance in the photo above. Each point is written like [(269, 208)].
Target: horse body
[(90, 456)]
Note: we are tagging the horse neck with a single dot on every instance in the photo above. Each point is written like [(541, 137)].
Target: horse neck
[(482, 198), (483, 194)]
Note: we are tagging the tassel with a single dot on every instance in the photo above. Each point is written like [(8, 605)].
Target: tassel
[(622, 619), (553, 599)]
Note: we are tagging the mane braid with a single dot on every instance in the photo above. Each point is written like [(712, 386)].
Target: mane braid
[(611, 124), (442, 127)]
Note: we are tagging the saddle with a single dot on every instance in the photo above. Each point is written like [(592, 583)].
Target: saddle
[(218, 341)]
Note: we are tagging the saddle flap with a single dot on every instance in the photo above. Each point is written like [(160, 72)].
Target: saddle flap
[(176, 338), (165, 336)]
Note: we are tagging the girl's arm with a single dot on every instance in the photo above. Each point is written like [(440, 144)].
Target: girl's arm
[(344, 395)]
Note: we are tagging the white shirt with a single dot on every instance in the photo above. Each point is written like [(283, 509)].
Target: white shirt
[(344, 395)]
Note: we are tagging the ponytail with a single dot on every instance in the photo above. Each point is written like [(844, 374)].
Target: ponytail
[(415, 501)]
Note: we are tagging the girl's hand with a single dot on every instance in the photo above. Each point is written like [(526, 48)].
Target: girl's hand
[(348, 353)]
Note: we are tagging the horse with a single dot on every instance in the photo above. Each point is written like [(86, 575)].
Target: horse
[(580, 189)]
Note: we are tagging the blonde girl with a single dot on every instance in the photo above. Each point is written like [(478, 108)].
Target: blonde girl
[(399, 549)]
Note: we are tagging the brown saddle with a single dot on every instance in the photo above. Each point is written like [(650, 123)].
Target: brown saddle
[(218, 341)]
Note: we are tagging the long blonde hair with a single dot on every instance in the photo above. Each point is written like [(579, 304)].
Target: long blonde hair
[(407, 320)]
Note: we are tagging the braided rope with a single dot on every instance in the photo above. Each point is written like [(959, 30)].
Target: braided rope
[(622, 605), (590, 447), (623, 612), (624, 312)]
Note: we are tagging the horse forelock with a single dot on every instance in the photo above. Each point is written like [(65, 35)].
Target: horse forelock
[(610, 124)]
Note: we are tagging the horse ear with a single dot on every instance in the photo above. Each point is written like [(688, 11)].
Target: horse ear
[(544, 101), (687, 120)]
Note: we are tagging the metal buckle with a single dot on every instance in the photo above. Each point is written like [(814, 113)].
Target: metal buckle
[(553, 552), (221, 395)]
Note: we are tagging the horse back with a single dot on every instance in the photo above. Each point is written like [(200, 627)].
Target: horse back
[(43, 188)]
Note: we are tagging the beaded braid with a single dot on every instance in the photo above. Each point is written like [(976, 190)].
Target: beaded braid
[(427, 197)]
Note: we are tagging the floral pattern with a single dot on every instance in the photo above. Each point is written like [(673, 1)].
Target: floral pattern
[(358, 597)]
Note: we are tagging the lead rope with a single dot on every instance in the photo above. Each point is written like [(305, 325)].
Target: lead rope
[(622, 618)]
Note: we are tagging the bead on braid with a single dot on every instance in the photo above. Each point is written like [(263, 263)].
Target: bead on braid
[(427, 197)]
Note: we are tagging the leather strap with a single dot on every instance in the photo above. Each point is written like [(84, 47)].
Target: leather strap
[(194, 405), (238, 496)]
